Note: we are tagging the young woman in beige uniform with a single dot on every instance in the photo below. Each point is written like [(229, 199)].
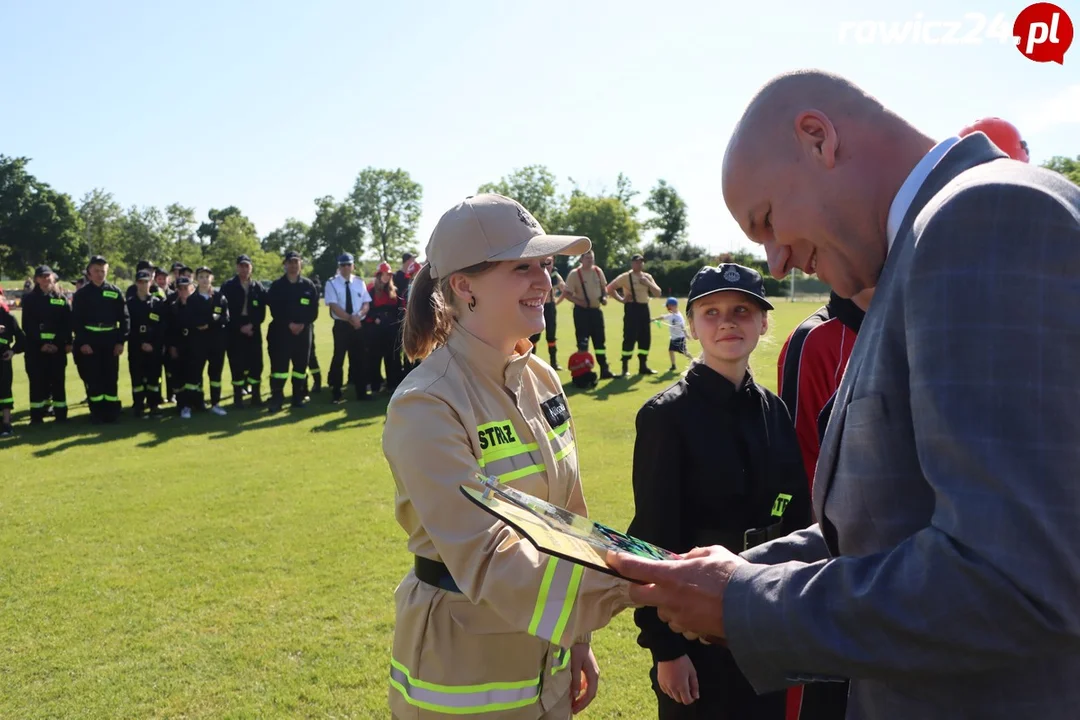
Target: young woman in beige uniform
[(485, 625)]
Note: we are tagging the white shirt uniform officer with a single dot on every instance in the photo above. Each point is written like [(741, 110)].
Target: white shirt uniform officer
[(348, 299)]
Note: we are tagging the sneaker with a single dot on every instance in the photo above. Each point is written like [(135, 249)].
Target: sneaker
[(218, 410), (185, 413)]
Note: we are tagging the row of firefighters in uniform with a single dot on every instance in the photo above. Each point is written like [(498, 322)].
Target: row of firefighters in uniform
[(186, 328)]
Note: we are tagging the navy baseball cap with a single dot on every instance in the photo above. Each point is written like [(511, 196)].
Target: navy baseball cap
[(728, 277), (144, 275), (97, 260), (144, 265), (637, 256), (42, 271), (183, 280), (177, 265), (292, 255), (203, 269), (345, 259), (243, 259)]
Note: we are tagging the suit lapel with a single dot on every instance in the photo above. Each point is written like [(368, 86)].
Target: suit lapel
[(971, 151)]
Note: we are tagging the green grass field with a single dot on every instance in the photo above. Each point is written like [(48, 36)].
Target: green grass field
[(244, 566)]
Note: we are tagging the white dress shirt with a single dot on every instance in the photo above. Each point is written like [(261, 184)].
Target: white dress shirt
[(334, 292), (906, 195)]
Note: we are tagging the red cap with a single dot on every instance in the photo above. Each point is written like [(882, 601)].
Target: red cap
[(1003, 134), (383, 267)]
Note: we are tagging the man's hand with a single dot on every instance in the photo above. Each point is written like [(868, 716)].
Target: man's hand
[(118, 349), (247, 329), (86, 350), (296, 328), (356, 321), (582, 661), (49, 348), (7, 355), (174, 353), (688, 593), (147, 347)]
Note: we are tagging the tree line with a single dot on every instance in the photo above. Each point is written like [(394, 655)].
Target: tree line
[(377, 220)]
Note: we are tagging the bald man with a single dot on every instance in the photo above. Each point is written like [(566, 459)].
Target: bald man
[(943, 575)]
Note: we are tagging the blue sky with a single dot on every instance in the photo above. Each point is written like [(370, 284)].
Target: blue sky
[(268, 105)]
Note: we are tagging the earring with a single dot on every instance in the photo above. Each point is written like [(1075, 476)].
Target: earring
[(472, 303)]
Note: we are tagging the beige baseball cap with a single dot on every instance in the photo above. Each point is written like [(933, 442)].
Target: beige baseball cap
[(492, 227)]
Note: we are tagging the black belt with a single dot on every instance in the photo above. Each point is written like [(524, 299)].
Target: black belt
[(434, 573), (757, 536)]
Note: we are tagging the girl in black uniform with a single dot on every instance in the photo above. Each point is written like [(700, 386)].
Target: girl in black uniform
[(190, 315), (716, 462), (216, 337)]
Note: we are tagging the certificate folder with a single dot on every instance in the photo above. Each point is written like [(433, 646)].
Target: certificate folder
[(556, 531)]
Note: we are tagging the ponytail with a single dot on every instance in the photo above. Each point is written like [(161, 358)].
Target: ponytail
[(427, 319), (429, 313)]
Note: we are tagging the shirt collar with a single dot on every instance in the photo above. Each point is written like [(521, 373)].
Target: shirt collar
[(488, 360), (716, 385), (906, 195)]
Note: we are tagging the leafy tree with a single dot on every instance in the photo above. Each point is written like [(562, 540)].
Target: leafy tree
[(146, 236), (208, 231), (236, 236), (388, 205), (337, 229), (608, 222), (181, 229), (103, 219), (534, 187), (1065, 166), (669, 212), (37, 224), (293, 235)]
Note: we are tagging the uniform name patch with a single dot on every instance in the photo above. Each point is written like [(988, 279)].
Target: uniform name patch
[(555, 410), (305, 301), (110, 294), (154, 317), (57, 301), (495, 434)]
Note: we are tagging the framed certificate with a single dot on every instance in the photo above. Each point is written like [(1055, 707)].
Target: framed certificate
[(556, 531)]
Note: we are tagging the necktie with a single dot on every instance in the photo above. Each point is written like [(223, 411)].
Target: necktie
[(348, 299)]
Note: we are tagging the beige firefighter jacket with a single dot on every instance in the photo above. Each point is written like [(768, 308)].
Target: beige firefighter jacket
[(500, 647)]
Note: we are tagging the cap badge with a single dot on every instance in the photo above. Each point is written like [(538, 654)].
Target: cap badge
[(731, 275), (527, 218)]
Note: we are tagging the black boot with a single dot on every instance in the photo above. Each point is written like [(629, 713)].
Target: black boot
[(238, 398), (316, 387), (139, 401), (299, 393), (256, 396), (60, 414), (605, 371), (37, 416), (643, 367), (625, 367), (554, 358)]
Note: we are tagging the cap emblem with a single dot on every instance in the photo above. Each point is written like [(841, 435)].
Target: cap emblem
[(731, 275), (527, 218)]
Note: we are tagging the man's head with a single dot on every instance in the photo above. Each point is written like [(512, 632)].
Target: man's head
[(243, 268), (45, 278), (811, 171), (161, 278), (407, 259), (637, 262), (293, 264), (345, 265), (142, 282), (588, 259), (98, 269), (205, 279)]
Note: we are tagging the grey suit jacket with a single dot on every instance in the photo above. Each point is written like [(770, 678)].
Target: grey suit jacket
[(943, 577)]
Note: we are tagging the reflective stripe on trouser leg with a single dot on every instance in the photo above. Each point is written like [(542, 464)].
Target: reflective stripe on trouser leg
[(555, 602), (463, 699)]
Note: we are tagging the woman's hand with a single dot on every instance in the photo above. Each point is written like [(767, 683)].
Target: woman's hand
[(582, 661), (678, 680)]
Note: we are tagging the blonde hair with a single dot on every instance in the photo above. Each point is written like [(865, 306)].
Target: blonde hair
[(429, 313)]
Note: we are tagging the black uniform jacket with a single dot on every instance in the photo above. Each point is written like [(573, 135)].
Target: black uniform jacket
[(99, 307), (712, 461), (255, 300), (46, 320), (11, 336), (292, 302), (190, 321), (149, 321)]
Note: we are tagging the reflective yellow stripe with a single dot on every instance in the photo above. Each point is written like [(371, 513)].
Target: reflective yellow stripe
[(36, 405), (505, 456), (7, 401), (140, 388), (95, 328), (280, 376), (298, 376), (463, 699), (3, 341), (555, 601), (48, 336), (562, 662)]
